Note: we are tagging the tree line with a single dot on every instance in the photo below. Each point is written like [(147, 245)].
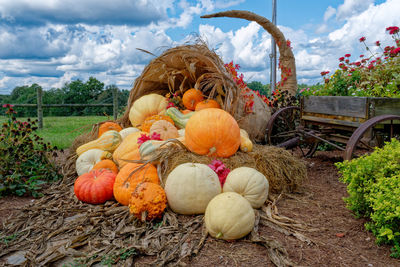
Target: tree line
[(76, 92), (92, 91)]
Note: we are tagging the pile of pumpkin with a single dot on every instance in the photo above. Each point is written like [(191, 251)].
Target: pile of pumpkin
[(107, 169)]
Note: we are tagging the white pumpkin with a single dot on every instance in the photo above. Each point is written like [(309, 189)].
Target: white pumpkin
[(127, 131), (190, 186), (249, 183), (229, 216), (89, 158), (145, 106)]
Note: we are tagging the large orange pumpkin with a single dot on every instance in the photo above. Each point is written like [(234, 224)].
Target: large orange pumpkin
[(107, 126), (128, 149), (106, 164), (95, 187), (148, 122), (191, 97), (212, 132), (208, 103), (126, 181), (148, 201)]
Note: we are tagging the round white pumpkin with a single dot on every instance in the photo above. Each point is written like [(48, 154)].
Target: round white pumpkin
[(249, 183), (190, 186), (127, 131), (145, 106), (89, 158), (229, 216)]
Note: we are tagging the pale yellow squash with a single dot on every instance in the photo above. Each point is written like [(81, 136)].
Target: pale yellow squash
[(108, 141), (145, 106), (128, 149)]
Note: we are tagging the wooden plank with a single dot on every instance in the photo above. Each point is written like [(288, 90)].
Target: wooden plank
[(330, 121), (384, 106), (115, 102), (336, 105)]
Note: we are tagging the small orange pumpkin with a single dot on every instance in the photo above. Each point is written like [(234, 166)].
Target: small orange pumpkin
[(191, 97), (126, 181), (165, 129), (107, 126), (106, 164), (148, 122), (208, 103), (148, 201), (212, 132)]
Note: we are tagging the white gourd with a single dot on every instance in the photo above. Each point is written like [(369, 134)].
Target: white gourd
[(229, 216), (89, 158), (190, 186), (249, 183)]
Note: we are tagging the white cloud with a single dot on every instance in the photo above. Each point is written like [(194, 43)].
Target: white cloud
[(330, 11), (40, 12), (352, 7)]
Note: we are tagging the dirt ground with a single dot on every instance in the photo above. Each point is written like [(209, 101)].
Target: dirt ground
[(338, 238)]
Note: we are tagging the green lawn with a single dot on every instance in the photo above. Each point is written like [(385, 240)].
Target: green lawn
[(61, 131)]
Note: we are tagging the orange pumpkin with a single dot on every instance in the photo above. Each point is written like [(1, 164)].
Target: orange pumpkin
[(128, 149), (148, 201), (208, 103), (127, 180), (106, 164), (148, 122), (212, 132), (107, 126), (191, 97), (95, 187), (186, 111), (165, 129)]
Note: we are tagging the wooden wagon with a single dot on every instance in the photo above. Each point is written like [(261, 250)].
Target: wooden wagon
[(355, 125)]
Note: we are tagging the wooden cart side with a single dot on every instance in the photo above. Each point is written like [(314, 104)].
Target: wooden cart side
[(334, 110)]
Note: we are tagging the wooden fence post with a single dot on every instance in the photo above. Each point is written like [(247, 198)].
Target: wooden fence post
[(40, 107), (115, 103)]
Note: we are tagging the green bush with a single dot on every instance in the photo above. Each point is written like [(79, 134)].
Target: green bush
[(373, 185), (25, 165)]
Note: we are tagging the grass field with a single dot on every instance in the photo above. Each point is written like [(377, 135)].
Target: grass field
[(61, 131)]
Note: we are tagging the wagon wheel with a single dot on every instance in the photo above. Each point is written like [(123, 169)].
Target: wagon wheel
[(282, 131), (367, 136)]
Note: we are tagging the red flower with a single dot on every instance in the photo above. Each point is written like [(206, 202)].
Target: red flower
[(347, 55), (220, 169), (357, 63), (392, 29), (288, 43), (7, 106), (171, 105), (378, 43), (326, 80), (361, 55), (362, 39), (341, 58)]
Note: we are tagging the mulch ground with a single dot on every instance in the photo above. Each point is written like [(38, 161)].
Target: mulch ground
[(337, 237)]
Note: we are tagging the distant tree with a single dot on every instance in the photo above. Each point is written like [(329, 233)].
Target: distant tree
[(25, 95), (258, 86)]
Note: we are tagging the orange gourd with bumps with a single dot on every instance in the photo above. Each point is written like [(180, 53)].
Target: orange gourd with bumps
[(129, 177), (148, 201)]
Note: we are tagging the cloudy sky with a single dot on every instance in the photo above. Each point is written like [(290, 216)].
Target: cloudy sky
[(51, 42)]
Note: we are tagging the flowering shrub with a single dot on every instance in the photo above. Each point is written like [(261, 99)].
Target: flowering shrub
[(376, 75), (275, 100), (25, 166), (373, 185)]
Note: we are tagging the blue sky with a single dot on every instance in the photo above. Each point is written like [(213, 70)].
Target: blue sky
[(51, 42)]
